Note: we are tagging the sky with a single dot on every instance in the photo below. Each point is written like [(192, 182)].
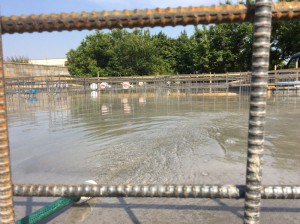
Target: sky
[(56, 44)]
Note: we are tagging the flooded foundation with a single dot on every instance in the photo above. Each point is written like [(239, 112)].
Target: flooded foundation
[(150, 137)]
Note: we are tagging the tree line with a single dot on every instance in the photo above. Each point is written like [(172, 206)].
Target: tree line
[(210, 49)]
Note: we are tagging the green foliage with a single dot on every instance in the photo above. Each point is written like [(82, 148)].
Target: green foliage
[(18, 59), (92, 56), (119, 53), (285, 40), (134, 53), (124, 53), (214, 48), (165, 51), (185, 54), (230, 47)]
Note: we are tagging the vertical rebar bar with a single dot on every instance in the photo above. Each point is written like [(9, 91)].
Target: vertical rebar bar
[(259, 83), (6, 195)]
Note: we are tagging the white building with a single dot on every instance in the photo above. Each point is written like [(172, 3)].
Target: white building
[(50, 61)]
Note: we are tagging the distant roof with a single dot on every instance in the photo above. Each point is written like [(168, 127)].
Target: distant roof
[(50, 61)]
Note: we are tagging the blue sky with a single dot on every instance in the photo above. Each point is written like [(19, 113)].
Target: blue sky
[(57, 44)]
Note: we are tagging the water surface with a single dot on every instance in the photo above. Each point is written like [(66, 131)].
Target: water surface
[(147, 138)]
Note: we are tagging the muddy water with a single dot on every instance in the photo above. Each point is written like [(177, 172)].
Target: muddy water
[(147, 138)]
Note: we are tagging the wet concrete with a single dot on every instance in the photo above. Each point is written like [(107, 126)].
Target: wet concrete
[(150, 138)]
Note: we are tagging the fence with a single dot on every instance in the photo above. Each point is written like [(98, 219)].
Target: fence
[(173, 83), (261, 14), (185, 83)]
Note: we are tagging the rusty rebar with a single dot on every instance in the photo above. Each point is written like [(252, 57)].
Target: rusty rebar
[(151, 18), (152, 190), (6, 200), (143, 18), (258, 102)]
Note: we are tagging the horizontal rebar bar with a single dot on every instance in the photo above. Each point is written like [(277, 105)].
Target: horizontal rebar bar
[(143, 18), (152, 190)]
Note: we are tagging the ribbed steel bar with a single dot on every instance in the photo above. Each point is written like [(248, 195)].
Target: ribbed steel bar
[(6, 200), (143, 18), (152, 190), (258, 93)]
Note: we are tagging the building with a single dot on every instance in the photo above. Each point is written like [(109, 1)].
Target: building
[(50, 61)]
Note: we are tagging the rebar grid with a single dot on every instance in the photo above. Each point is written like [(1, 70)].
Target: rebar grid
[(152, 190), (258, 101), (253, 191), (143, 18), (6, 201)]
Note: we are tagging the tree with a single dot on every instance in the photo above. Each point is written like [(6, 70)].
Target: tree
[(166, 53), (92, 56), (214, 48), (185, 54), (17, 59), (118, 53), (202, 54), (134, 53), (284, 40), (231, 47)]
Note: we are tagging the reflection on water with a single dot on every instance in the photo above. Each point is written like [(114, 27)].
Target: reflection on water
[(142, 100), (104, 109), (94, 94), (146, 137), (126, 105)]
